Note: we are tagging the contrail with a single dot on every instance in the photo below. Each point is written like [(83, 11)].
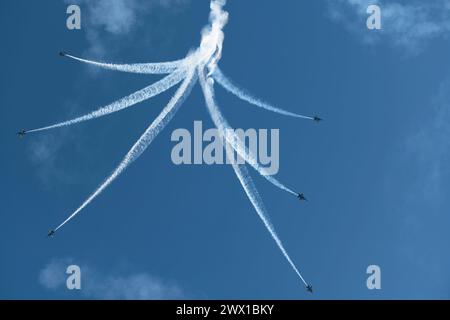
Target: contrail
[(236, 143), (241, 170), (213, 36), (228, 133), (142, 68), (252, 193), (145, 140), (128, 101), (200, 63), (241, 94)]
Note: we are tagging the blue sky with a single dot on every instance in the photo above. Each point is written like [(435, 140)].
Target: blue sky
[(375, 171)]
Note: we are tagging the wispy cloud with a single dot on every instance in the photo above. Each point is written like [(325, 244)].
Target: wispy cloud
[(53, 275), (43, 152), (140, 286), (418, 186), (430, 148), (103, 20), (405, 24), (98, 284)]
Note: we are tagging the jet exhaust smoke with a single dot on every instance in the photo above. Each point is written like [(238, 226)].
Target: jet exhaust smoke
[(255, 199), (228, 85), (144, 141), (241, 170), (128, 101), (200, 64), (230, 136), (213, 36), (142, 68)]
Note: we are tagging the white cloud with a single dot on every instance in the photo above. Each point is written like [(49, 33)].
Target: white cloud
[(415, 196), (43, 151), (430, 149), (44, 148), (102, 19), (407, 24), (53, 275), (116, 17), (100, 285), (140, 286), (419, 186)]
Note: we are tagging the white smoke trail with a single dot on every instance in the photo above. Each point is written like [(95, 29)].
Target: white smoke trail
[(212, 39), (125, 102), (142, 68), (241, 94), (213, 36), (145, 140), (229, 135), (253, 195)]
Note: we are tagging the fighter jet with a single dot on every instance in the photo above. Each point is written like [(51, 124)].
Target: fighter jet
[(51, 233), (317, 119), (309, 288), (301, 197), (21, 133), (62, 53)]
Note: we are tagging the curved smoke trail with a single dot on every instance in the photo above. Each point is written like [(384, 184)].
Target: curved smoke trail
[(228, 133), (240, 170), (213, 36), (228, 85), (142, 68), (253, 195), (145, 140), (125, 102)]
